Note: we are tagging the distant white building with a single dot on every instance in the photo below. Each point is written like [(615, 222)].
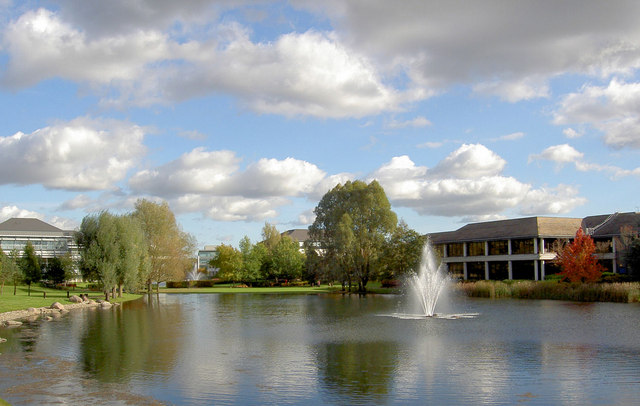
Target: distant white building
[(205, 256), (47, 240)]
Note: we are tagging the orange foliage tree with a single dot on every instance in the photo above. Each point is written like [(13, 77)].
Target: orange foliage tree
[(578, 261)]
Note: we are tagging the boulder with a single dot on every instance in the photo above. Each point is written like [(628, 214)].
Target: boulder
[(57, 305), (3, 340), (32, 310), (12, 323), (105, 305), (75, 299)]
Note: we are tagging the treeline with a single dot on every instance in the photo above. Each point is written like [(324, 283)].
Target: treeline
[(354, 239), (30, 268), (116, 252), (133, 250)]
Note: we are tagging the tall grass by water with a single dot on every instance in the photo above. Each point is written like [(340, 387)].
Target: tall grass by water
[(624, 292)]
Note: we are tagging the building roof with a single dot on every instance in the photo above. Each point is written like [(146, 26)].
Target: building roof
[(527, 227), (298, 234), (608, 225), (27, 226)]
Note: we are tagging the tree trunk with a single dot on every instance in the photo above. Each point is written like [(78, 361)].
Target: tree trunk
[(120, 290)]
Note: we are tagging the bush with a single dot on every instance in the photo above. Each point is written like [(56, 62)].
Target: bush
[(205, 284), (390, 283), (177, 284)]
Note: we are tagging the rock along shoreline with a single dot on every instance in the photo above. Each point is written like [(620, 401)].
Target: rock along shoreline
[(12, 318)]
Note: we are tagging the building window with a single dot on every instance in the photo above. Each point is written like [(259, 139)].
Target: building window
[(455, 249), (499, 247), (498, 271), (439, 249), (456, 270), (522, 246), (475, 271), (523, 270), (476, 249)]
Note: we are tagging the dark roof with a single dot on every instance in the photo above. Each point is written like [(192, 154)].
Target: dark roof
[(608, 225), (30, 225), (298, 234), (527, 227)]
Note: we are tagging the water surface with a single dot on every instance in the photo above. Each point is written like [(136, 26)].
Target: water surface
[(199, 349)]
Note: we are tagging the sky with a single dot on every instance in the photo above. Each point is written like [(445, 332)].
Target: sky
[(238, 113)]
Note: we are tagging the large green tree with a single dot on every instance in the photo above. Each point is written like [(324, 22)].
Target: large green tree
[(9, 270), (252, 259), (632, 257), (402, 252), (287, 260), (31, 265), (228, 260), (170, 249), (352, 223)]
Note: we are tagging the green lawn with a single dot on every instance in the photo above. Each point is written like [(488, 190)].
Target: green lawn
[(21, 301), (4, 403)]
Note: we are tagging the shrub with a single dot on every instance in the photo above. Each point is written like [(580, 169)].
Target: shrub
[(390, 283)]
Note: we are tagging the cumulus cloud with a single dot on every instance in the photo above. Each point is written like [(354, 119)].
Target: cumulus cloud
[(560, 154), (566, 154), (511, 48), (81, 154), (614, 110), (212, 182), (558, 200), (469, 182)]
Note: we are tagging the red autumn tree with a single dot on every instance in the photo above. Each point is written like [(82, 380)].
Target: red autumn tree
[(578, 261)]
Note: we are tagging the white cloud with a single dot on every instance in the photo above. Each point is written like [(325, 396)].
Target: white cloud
[(417, 122), (510, 137), (469, 182), (8, 212), (558, 200), (514, 91), (571, 133), (81, 154), (560, 154), (566, 154), (614, 110), (197, 171), (470, 161), (41, 46)]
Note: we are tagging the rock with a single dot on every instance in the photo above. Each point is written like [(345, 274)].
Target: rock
[(105, 305), (3, 340), (48, 318), (75, 299), (91, 302), (32, 310), (57, 305), (12, 323)]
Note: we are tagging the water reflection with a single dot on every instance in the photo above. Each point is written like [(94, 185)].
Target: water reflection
[(290, 349), (138, 340)]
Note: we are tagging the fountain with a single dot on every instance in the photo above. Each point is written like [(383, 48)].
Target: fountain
[(194, 274), (428, 283)]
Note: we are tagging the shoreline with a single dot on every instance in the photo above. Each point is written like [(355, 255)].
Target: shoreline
[(12, 318)]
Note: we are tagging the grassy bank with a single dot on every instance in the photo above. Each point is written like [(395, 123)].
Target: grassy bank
[(581, 292), (373, 287), (21, 301)]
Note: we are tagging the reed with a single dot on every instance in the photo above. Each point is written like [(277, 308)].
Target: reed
[(623, 292)]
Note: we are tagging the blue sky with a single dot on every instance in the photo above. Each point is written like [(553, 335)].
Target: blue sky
[(243, 112)]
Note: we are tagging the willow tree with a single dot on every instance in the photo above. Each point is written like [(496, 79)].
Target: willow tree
[(352, 223), (170, 249)]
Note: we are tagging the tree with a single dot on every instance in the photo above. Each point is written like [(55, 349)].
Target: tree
[(31, 265), (15, 270), (229, 262), (287, 259), (170, 249), (59, 268), (578, 261), (133, 263), (252, 259), (8, 270), (402, 252), (270, 236), (352, 223)]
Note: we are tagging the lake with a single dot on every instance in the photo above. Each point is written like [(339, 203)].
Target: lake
[(202, 349)]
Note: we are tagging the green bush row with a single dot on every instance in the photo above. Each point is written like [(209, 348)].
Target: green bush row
[(625, 292)]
